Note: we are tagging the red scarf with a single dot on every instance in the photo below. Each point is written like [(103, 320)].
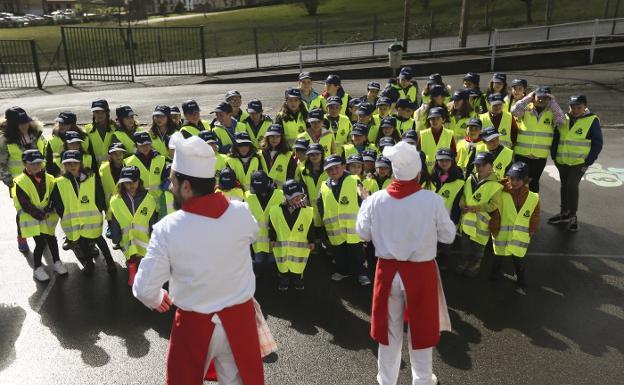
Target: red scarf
[(210, 205), (399, 189)]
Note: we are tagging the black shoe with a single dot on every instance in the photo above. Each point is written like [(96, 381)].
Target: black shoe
[(67, 244), (573, 224), (298, 283), (111, 269), (108, 232), (520, 280), (94, 251), (116, 247), (89, 267), (559, 218), (283, 284)]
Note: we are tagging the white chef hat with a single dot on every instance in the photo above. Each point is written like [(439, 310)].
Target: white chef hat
[(193, 156), (405, 160)]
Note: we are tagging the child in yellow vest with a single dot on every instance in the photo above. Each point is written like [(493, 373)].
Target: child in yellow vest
[(515, 223), (291, 232), (36, 219), (355, 166), (481, 197), (229, 186), (134, 213)]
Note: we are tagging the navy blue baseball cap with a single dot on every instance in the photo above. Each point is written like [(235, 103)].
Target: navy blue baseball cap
[(437, 90), (359, 129), (499, 77), (355, 159), (388, 121), (489, 133), (124, 112), (315, 148), (410, 136), (333, 79), (100, 105), (190, 106), (292, 93), (386, 142), (116, 146), (231, 93), (17, 115), (129, 174), (475, 122), (472, 77), (315, 115), (406, 73), (365, 108), (382, 161), (354, 102), (444, 153), (542, 91), (72, 137), (405, 103), (301, 144), (332, 160), (334, 100), (161, 110), (141, 138), (242, 138), (275, 130), (71, 156), (260, 182), (373, 86), (461, 94), (483, 158), (66, 117), (435, 112), (518, 170), (435, 78), (32, 156), (174, 110), (227, 179), (208, 136), (254, 106), (305, 75), (496, 98), (520, 82), (222, 107), (577, 99), (369, 155), (383, 101), (292, 189)]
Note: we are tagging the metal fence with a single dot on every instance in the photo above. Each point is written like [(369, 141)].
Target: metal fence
[(19, 67), (120, 54)]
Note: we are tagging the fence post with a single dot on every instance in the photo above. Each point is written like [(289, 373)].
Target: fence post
[(64, 41), (255, 38), (202, 40), (33, 51), (431, 32), (374, 29), (593, 42), (131, 49), (300, 60), (615, 15), (548, 33), (320, 33), (493, 59)]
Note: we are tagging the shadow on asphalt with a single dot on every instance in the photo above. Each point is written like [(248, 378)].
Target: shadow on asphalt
[(11, 321)]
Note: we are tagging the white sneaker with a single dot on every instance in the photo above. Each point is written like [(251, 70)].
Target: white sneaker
[(338, 277), (41, 275), (434, 379), (364, 280), (60, 268)]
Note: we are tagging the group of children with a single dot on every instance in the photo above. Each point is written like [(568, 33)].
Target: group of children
[(303, 174)]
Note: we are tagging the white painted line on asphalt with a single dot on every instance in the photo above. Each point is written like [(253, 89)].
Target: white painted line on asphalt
[(39, 304)]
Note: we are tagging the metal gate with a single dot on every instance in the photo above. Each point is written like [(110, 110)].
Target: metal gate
[(122, 53), (19, 67)]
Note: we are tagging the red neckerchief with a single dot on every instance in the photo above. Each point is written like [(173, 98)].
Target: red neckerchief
[(470, 140), (211, 205), (399, 189)]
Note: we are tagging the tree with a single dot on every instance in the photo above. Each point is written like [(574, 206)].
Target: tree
[(529, 10), (311, 6)]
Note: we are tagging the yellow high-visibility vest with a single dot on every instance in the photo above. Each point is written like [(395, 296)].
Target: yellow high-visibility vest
[(504, 128), (16, 166), (535, 136), (573, 145), (430, 147), (135, 234), (81, 216), (262, 217), (244, 178), (151, 178), (291, 250), (476, 225), (339, 216), (29, 226), (513, 237), (98, 144)]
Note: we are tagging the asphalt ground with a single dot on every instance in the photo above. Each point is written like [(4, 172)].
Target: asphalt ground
[(565, 328)]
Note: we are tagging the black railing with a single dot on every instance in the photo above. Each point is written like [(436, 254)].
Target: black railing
[(120, 54), (19, 67)]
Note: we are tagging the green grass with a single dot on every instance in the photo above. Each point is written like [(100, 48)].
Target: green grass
[(284, 27)]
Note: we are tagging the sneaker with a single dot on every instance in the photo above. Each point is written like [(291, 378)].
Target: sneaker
[(472, 269), (573, 224), (364, 280), (60, 268), (283, 283), (95, 252), (338, 277), (559, 218), (132, 270), (108, 233), (298, 283), (41, 275), (22, 245)]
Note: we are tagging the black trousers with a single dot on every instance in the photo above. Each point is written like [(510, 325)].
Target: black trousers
[(41, 241), (518, 262), (570, 179), (85, 248), (349, 258), (536, 168)]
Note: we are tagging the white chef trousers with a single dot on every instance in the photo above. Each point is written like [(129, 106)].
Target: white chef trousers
[(389, 356), (219, 350)]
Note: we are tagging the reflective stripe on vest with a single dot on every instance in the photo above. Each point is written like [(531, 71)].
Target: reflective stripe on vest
[(81, 216), (504, 127), (244, 178), (151, 178), (135, 233), (291, 250), (29, 226), (476, 225), (262, 244), (449, 191), (430, 147), (573, 145), (339, 215), (513, 236), (535, 137)]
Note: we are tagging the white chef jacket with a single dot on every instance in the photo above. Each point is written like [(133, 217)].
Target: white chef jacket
[(405, 229), (206, 260)]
